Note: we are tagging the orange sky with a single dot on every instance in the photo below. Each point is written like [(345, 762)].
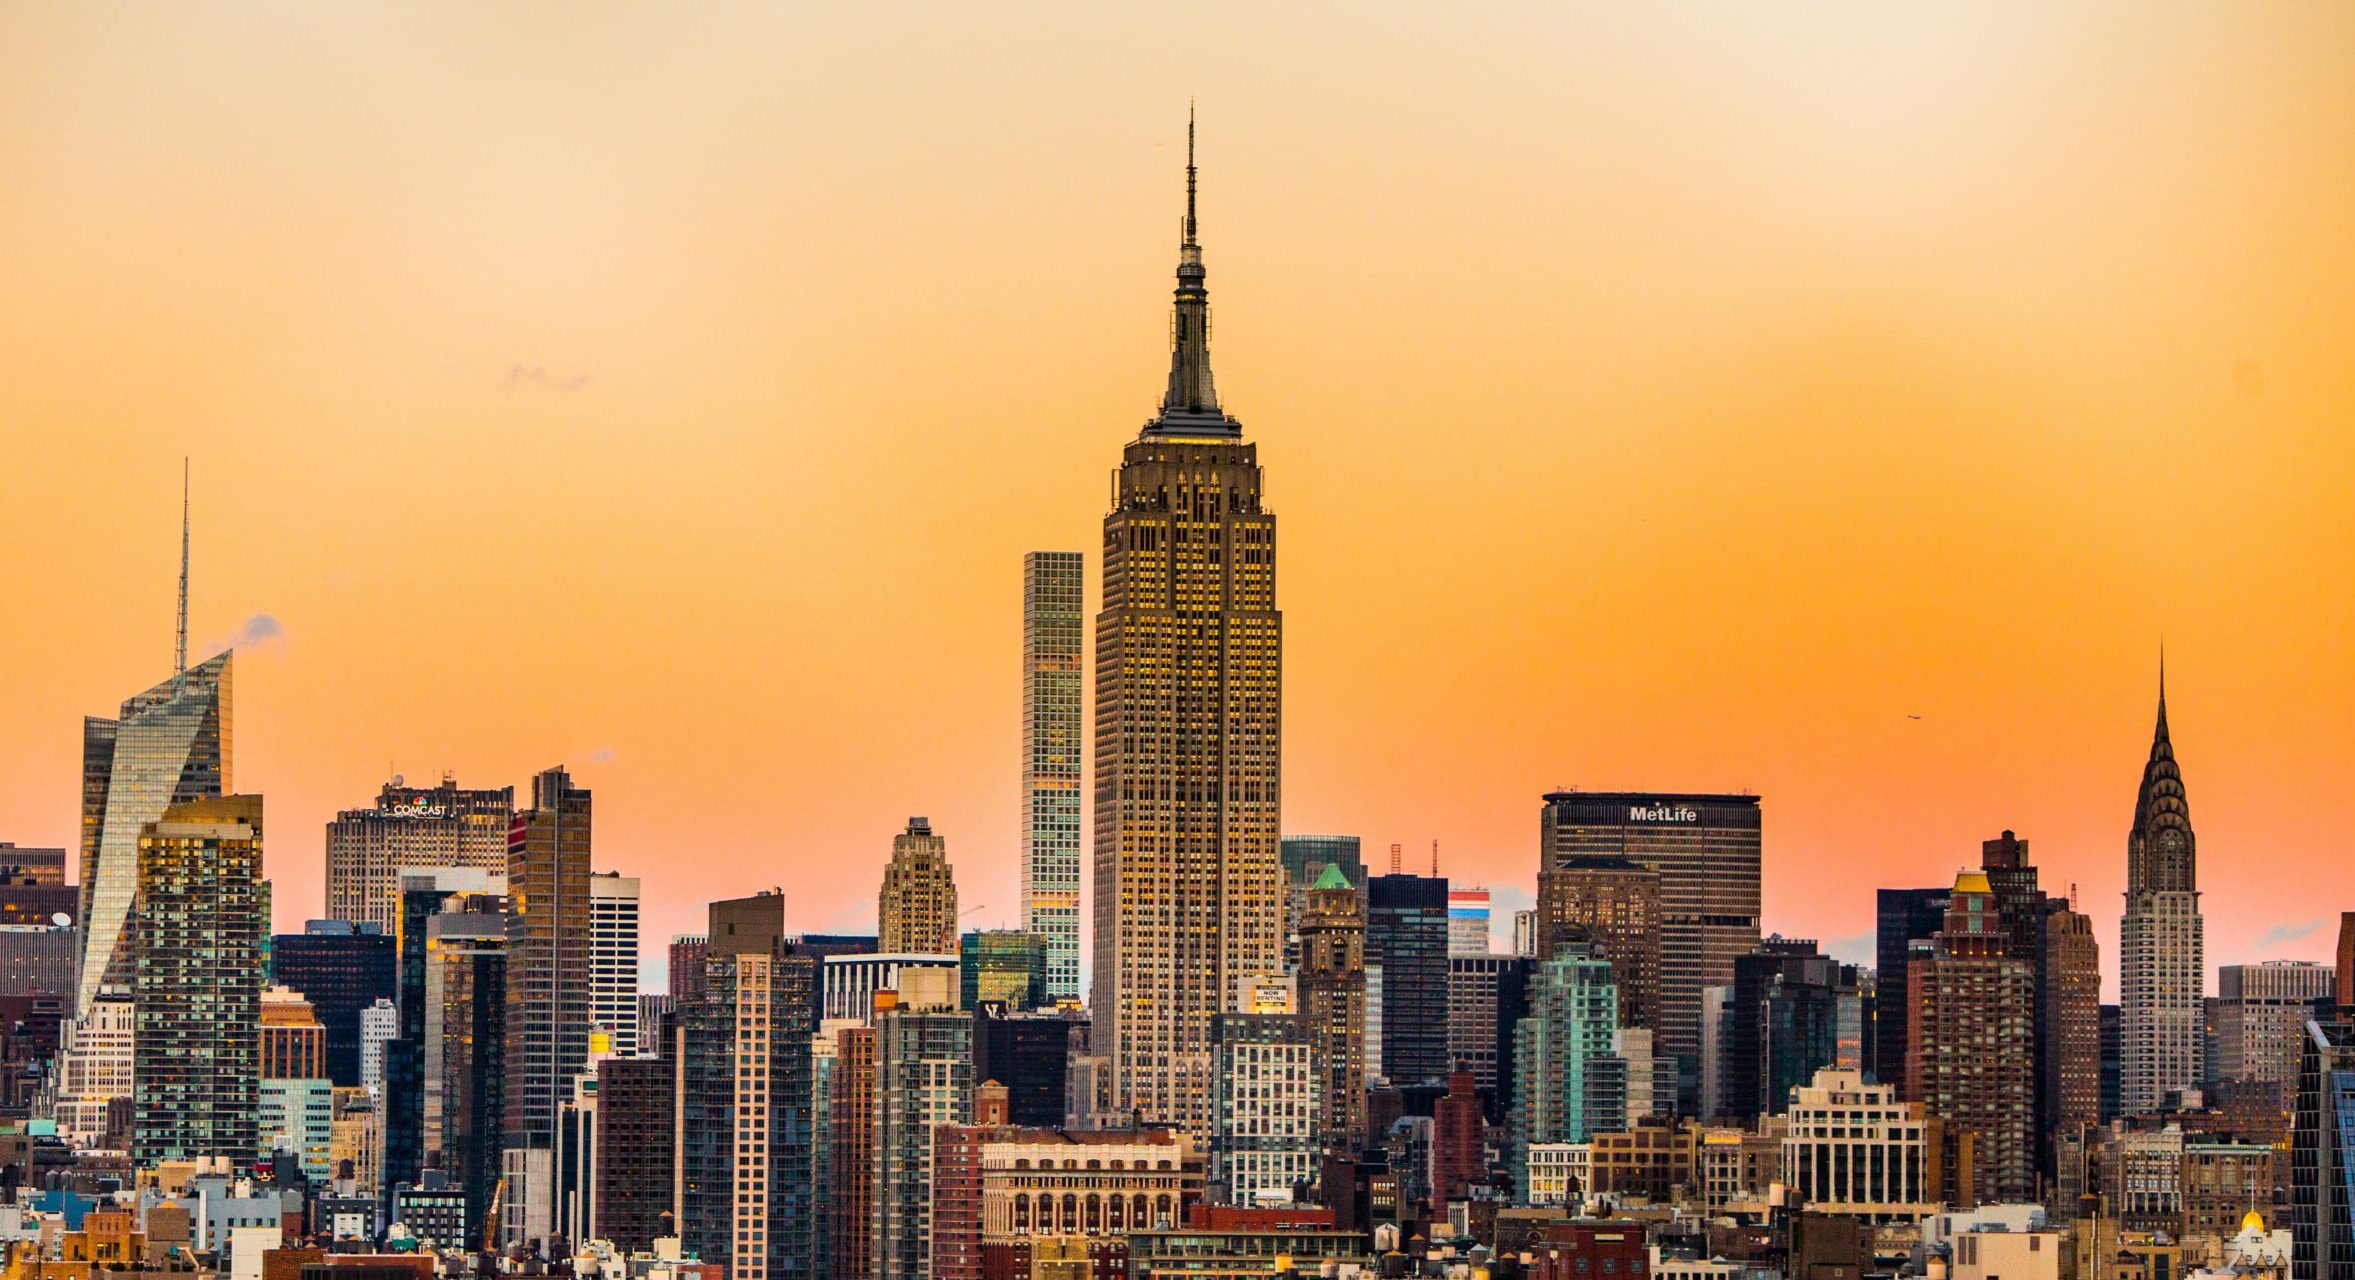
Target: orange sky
[(1652, 396)]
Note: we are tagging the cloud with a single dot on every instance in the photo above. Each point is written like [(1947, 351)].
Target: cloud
[(1856, 948), (602, 755), (260, 631), (2288, 932), (537, 375)]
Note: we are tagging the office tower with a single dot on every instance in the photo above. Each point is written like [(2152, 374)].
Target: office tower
[(1002, 966), (197, 981), (850, 1204), (1467, 922), (1052, 681), (2322, 1158), (745, 1123), (1706, 849), (1485, 998), (463, 1076), (1263, 1141), (2345, 970), (1854, 1150), (1612, 903), (2070, 1099), (1407, 936), (295, 1116), (380, 1025), (1790, 1012), (1569, 1085), (1459, 1142), (1971, 1056), (170, 746), (852, 981), (411, 829), (686, 962), (341, 968), (1904, 917), (1030, 1056), (549, 943), (923, 1080), (33, 890), (917, 905), (38, 959), (94, 1065), (1525, 932), (2161, 950), (2262, 1014), (401, 1115), (613, 959), (1189, 674), (1332, 985), (294, 1043), (2112, 1033), (1303, 859)]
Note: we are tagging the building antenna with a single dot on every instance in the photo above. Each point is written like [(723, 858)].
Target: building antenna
[(1435, 859), (180, 647), (1394, 859)]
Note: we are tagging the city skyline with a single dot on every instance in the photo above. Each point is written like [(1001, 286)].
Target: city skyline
[(2207, 520)]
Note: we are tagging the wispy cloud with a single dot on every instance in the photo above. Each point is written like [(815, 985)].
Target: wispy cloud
[(602, 755), (520, 374), (2287, 932), (1856, 948), (260, 631)]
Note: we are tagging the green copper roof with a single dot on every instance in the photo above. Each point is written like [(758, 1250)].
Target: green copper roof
[(1331, 878)]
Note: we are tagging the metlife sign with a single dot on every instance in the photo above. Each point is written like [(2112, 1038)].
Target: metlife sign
[(1663, 813)]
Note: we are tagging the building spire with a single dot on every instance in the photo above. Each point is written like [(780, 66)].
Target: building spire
[(1190, 405), (2162, 731), (180, 645)]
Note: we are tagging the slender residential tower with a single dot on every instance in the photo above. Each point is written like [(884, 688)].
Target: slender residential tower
[(1189, 667), (2161, 944), (1051, 686)]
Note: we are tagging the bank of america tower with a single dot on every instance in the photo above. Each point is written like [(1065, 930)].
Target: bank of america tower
[(1189, 679)]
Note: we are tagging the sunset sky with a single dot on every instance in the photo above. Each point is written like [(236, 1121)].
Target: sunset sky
[(1676, 396)]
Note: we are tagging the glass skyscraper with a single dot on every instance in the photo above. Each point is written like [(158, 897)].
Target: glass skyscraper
[(171, 745), (197, 982), (1051, 744)]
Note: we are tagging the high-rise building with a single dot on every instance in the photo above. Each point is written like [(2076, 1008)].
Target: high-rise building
[(411, 829), (1525, 932), (1486, 996), (1972, 1054), (1790, 1012), (1002, 966), (1569, 1084), (1189, 691), (1854, 1150), (341, 968), (1332, 986), (917, 905), (613, 959), (923, 1081), (462, 1037), (401, 1114), (197, 981), (170, 746), (1459, 1142), (380, 1025), (94, 1071), (294, 1042), (1706, 849), (1304, 859), (2262, 1013), (33, 890), (686, 968), (1263, 1142), (1407, 937), (549, 943), (1904, 917), (2070, 1097), (2322, 1158), (1467, 922), (1053, 611), (636, 1156), (850, 1201), (1614, 904), (296, 1116), (1029, 1055), (2161, 951), (745, 1122)]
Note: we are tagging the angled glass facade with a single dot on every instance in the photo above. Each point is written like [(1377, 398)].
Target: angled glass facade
[(170, 746)]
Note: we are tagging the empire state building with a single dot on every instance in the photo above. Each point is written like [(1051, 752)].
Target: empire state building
[(1189, 683)]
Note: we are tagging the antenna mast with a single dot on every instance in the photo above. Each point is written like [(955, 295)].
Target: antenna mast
[(180, 646)]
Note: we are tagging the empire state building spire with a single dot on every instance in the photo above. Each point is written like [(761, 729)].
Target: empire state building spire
[(1190, 406)]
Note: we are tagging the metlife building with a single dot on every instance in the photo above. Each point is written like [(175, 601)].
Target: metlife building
[(1706, 849)]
